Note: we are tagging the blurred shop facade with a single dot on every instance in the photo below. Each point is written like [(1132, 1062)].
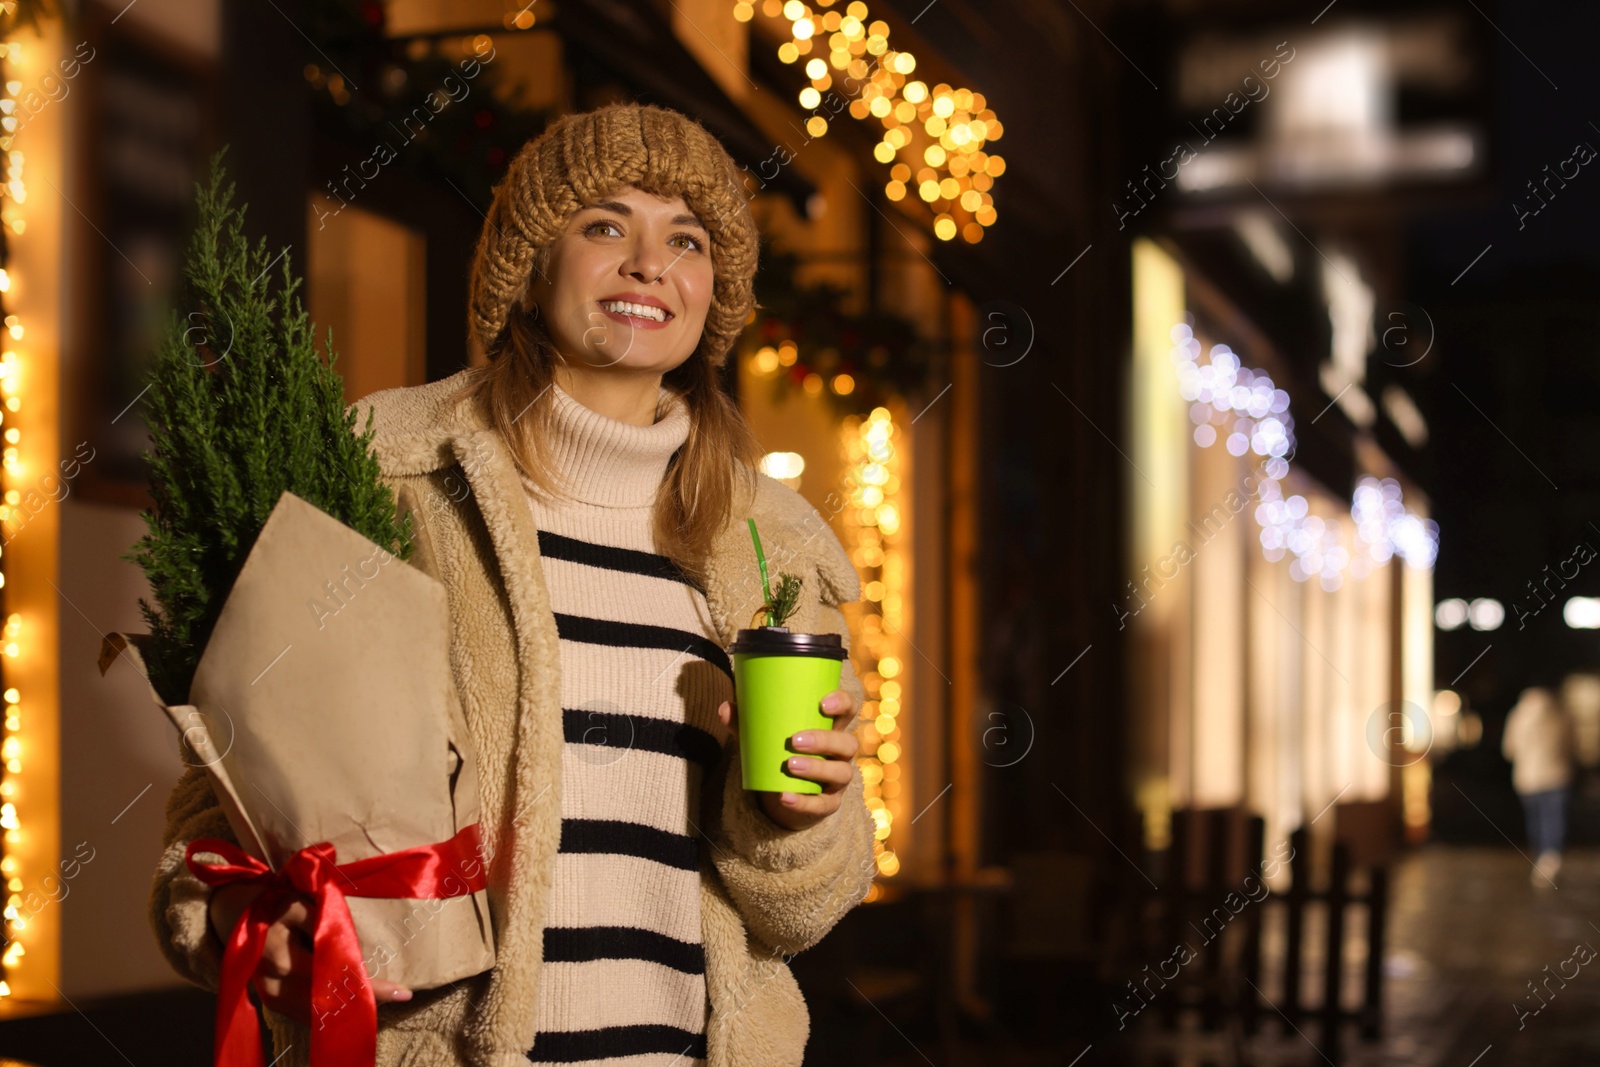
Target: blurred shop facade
[(1279, 599)]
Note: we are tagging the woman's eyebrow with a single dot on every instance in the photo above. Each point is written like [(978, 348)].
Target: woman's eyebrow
[(626, 211)]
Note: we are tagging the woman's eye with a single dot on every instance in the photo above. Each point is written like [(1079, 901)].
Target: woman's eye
[(593, 227)]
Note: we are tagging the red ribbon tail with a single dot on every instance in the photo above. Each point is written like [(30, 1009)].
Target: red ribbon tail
[(344, 1013), (238, 1042)]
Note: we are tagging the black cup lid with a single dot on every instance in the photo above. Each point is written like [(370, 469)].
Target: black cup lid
[(778, 641)]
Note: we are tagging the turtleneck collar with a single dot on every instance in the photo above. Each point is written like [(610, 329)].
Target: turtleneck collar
[(611, 463)]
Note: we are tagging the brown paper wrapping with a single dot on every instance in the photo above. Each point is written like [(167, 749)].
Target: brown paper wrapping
[(323, 709)]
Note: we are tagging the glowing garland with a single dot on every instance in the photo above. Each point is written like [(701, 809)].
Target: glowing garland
[(874, 536), (12, 195), (1227, 398), (953, 173)]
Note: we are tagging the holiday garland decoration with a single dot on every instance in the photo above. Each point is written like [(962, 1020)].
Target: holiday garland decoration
[(802, 338), (240, 408), (433, 104), (940, 130)]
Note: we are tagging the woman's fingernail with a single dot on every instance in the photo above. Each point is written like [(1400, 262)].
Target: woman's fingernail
[(830, 703), (402, 994), (788, 798), (801, 740), (796, 763)]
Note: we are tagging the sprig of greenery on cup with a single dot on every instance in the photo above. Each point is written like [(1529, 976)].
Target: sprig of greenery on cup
[(779, 607)]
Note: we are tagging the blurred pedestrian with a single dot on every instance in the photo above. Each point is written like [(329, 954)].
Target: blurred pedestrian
[(1538, 740)]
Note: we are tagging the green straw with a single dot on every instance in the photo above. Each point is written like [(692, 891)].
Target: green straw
[(761, 558)]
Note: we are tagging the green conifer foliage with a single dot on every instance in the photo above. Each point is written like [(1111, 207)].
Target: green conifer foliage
[(240, 408), (785, 600)]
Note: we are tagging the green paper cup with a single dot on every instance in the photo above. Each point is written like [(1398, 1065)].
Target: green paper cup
[(779, 681)]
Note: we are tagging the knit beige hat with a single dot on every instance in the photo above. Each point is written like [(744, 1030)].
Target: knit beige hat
[(582, 158)]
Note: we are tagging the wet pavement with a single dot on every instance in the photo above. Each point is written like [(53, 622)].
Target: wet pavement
[(1470, 939)]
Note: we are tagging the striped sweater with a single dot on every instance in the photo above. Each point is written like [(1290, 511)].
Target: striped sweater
[(623, 980)]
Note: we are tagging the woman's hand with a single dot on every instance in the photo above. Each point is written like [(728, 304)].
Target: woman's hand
[(828, 757), (283, 977)]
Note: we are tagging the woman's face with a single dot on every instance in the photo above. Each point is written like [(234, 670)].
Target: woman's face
[(633, 248)]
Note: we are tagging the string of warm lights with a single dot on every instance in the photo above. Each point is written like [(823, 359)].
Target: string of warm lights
[(874, 537), (12, 195), (933, 136)]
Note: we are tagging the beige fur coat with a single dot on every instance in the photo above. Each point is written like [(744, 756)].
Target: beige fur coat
[(766, 893)]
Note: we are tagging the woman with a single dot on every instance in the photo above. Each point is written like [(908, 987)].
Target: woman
[(1538, 740), (583, 499)]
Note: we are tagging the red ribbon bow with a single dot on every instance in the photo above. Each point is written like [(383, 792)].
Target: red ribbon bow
[(343, 1011)]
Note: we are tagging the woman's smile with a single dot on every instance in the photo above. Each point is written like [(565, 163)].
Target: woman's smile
[(633, 309)]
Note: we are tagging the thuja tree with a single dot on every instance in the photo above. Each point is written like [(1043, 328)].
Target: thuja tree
[(240, 408)]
